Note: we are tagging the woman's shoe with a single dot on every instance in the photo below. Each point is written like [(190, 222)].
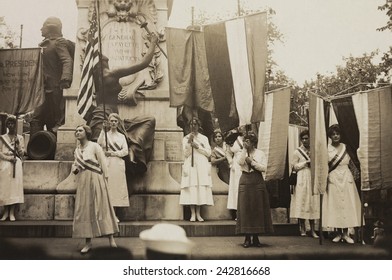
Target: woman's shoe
[(337, 238), (12, 218), (303, 233), (314, 235), (5, 216), (86, 249), (200, 219), (192, 219), (256, 242), (246, 244), (348, 239)]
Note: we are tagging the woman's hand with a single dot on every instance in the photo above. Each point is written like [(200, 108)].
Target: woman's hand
[(108, 153), (195, 145), (248, 160), (105, 125), (153, 38)]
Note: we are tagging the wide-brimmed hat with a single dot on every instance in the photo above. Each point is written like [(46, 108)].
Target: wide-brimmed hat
[(167, 238)]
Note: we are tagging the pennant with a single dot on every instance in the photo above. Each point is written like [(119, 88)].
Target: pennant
[(273, 132), (374, 117), (318, 145)]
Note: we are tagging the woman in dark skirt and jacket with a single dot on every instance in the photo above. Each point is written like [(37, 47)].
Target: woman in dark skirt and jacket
[(253, 212)]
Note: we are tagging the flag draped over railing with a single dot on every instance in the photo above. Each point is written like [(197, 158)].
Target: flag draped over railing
[(226, 59), (86, 90)]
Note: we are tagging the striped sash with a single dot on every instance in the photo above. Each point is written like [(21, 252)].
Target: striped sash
[(239, 143), (220, 151), (87, 164), (113, 146), (9, 145), (337, 159), (302, 152)]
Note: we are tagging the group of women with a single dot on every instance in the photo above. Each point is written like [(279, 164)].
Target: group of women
[(241, 166), (101, 182), (341, 206)]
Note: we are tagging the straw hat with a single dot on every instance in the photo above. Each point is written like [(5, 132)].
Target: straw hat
[(167, 238)]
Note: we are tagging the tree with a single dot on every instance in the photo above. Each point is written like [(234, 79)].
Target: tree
[(388, 8), (8, 38)]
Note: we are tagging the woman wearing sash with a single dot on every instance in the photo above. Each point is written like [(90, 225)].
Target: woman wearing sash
[(341, 203), (235, 170), (196, 177), (117, 148), (218, 157), (253, 214), (94, 214), (11, 173), (304, 205)]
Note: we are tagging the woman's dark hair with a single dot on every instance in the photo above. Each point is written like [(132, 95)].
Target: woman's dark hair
[(88, 130), (303, 133), (333, 128), (10, 118), (252, 138), (194, 119), (216, 132)]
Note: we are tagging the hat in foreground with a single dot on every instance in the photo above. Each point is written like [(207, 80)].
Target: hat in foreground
[(167, 238)]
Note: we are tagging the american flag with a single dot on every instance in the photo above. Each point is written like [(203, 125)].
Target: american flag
[(86, 90)]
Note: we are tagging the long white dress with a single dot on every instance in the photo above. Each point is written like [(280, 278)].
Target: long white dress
[(196, 181), (235, 174), (117, 181), (304, 205), (341, 203), (11, 188)]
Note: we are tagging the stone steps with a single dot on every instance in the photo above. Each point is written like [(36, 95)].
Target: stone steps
[(131, 228)]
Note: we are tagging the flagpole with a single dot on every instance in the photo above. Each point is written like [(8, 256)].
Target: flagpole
[(15, 147), (101, 72), (21, 36)]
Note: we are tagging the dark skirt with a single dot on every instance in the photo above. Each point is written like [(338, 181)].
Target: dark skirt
[(253, 210)]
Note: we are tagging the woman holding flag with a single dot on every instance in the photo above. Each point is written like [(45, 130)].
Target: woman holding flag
[(341, 203), (117, 148), (11, 172), (94, 214), (196, 172)]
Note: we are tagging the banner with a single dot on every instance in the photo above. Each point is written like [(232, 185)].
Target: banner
[(237, 48), (189, 82), (273, 132), (21, 80), (318, 144), (373, 111)]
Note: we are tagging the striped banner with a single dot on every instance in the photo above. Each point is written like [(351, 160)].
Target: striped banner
[(237, 48), (318, 144), (85, 95), (373, 111), (273, 132)]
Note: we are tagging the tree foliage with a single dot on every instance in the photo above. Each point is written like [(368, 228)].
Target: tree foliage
[(8, 38), (387, 7)]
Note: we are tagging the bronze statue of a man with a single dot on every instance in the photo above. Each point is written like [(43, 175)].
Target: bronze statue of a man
[(57, 69)]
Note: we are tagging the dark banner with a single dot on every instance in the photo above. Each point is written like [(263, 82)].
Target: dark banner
[(21, 80)]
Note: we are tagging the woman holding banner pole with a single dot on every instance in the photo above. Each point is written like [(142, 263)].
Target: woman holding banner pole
[(341, 203), (11, 172)]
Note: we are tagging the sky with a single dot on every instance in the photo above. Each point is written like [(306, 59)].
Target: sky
[(317, 33)]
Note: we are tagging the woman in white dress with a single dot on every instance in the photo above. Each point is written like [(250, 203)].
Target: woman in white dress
[(196, 177), (304, 205), (341, 203), (235, 170), (115, 149), (94, 214), (11, 184)]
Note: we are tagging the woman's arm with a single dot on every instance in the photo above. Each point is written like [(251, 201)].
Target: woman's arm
[(124, 148), (259, 161), (296, 163)]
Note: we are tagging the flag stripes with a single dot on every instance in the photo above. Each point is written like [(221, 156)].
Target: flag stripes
[(228, 60), (86, 90)]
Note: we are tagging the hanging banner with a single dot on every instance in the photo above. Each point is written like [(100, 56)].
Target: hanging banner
[(374, 118), (21, 80), (318, 144), (273, 132)]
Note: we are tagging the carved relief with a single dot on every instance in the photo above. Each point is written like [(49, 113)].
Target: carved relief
[(124, 42)]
